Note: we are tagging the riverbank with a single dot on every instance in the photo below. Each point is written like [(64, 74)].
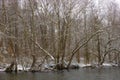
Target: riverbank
[(50, 67)]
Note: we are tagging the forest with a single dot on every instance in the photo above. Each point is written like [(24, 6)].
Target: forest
[(38, 35)]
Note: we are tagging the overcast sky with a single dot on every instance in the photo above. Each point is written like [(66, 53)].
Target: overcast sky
[(118, 2)]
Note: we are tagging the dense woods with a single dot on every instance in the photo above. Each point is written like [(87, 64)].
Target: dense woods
[(58, 33)]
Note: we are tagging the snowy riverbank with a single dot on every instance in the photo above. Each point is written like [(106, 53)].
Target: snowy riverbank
[(47, 67)]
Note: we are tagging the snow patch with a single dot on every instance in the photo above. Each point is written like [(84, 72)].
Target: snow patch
[(83, 65), (20, 67), (2, 69), (107, 64)]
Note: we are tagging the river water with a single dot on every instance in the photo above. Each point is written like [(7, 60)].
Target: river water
[(81, 74)]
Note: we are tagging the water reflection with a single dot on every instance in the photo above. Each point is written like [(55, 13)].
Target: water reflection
[(82, 74)]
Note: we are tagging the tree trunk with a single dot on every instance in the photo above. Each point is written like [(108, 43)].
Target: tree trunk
[(33, 63), (10, 68)]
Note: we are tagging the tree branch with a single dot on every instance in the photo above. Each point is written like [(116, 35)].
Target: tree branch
[(37, 44)]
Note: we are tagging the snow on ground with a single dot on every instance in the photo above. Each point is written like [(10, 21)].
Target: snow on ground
[(83, 65), (3, 69), (104, 64), (109, 64), (20, 67)]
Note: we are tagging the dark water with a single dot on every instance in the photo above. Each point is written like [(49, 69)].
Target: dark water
[(81, 74)]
